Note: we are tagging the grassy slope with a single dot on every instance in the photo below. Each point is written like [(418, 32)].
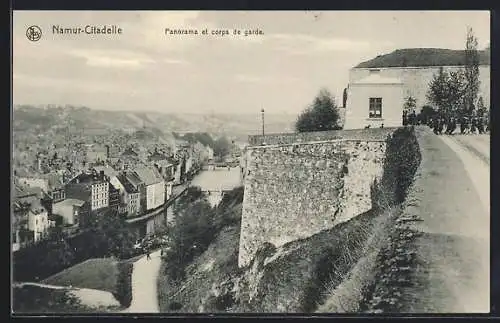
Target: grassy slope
[(34, 299), (102, 274), (298, 277), (99, 274), (347, 296), (204, 276)]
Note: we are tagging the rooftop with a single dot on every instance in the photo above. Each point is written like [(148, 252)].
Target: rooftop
[(70, 202), (132, 178), (148, 175), (421, 57), (129, 188), (108, 171)]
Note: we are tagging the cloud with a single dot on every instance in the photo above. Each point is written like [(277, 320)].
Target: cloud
[(112, 58), (149, 32), (248, 78), (66, 84), (175, 61), (302, 44)]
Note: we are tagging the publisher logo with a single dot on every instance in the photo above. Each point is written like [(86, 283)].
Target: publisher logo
[(34, 33)]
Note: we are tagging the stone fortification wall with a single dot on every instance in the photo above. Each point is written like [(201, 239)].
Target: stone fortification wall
[(291, 138), (293, 191)]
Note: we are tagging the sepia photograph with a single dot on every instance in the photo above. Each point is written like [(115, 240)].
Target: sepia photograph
[(250, 162)]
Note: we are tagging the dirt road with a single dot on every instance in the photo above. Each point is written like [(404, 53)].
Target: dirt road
[(144, 294), (453, 190)]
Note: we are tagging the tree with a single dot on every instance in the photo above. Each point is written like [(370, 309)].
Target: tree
[(410, 104), (344, 98), (437, 89), (426, 114), (471, 72), (456, 87), (221, 147), (193, 232), (446, 92), (481, 108), (322, 115)]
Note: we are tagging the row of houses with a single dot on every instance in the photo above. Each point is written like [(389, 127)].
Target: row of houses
[(131, 193), (133, 184)]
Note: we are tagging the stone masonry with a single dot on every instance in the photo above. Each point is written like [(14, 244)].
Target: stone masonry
[(293, 191)]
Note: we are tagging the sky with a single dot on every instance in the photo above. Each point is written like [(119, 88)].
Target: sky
[(281, 70)]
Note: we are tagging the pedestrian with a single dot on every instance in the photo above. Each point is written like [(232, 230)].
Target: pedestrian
[(480, 126), (451, 126), (441, 126), (463, 125), (148, 255), (161, 252), (473, 126), (435, 125)]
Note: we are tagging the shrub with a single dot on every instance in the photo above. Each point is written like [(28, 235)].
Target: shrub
[(402, 160), (123, 291), (175, 306)]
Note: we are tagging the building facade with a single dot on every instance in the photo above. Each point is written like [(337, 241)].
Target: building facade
[(129, 195), (410, 72), (374, 101), (154, 187), (69, 210), (38, 221)]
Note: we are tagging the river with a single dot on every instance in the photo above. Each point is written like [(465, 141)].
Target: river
[(216, 181)]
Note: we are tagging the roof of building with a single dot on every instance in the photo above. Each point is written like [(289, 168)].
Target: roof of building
[(36, 207), (108, 171), (149, 175), (164, 163), (85, 178), (129, 152), (421, 57), (377, 79), (157, 156), (71, 202), (125, 180), (54, 179)]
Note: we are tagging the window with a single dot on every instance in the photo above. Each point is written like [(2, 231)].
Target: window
[(375, 108)]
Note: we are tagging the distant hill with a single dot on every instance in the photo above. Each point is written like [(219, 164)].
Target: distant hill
[(413, 57), (148, 124)]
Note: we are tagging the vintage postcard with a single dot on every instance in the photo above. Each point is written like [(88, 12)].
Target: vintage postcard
[(313, 162)]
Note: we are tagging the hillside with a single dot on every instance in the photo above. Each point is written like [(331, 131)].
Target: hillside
[(423, 57), (238, 126)]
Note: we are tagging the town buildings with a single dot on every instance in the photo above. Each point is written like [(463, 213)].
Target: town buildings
[(379, 87), (153, 187), (69, 210), (63, 183), (130, 201)]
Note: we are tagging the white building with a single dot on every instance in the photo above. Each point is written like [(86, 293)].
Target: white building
[(374, 101), (99, 195), (129, 187), (38, 221), (69, 210), (154, 186), (408, 71)]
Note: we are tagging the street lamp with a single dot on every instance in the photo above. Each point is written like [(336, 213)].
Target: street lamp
[(262, 111)]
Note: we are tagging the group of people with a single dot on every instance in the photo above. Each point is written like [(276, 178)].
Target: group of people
[(410, 118), (472, 125)]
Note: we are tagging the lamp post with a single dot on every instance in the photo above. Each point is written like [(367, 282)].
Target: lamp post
[(262, 111)]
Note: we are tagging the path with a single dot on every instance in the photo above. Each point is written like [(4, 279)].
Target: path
[(453, 190), (88, 297), (144, 286)]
